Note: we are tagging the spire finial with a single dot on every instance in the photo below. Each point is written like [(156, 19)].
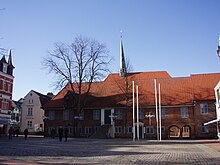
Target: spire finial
[(121, 33), (219, 41)]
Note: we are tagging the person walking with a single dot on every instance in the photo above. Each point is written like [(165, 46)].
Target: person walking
[(25, 133), (60, 132)]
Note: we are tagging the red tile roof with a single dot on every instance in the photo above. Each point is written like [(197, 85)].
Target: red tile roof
[(174, 91)]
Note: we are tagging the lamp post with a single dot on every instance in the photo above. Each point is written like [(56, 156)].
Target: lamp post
[(113, 117), (149, 115)]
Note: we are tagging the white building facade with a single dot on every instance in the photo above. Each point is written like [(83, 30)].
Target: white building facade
[(32, 114)]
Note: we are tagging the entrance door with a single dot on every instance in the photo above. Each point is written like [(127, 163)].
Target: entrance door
[(186, 132), (140, 132), (174, 132), (107, 118)]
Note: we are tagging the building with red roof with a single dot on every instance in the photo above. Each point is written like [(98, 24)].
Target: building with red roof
[(186, 104)]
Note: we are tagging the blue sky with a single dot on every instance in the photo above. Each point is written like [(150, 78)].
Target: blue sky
[(178, 36)]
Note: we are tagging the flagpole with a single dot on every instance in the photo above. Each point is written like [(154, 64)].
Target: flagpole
[(155, 90), (133, 112), (159, 110), (137, 115)]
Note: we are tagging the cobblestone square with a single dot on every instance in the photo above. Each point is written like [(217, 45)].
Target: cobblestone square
[(107, 151)]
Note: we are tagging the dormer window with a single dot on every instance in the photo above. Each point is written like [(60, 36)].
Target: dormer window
[(5, 66)]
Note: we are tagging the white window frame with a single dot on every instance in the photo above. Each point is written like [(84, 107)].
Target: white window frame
[(66, 115), (184, 112), (119, 114), (51, 115), (81, 115), (30, 111), (29, 124), (118, 129), (141, 114), (96, 114), (149, 129), (5, 68), (5, 85), (204, 110), (163, 113), (129, 129), (205, 129)]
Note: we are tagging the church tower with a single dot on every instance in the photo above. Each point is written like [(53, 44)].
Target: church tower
[(123, 70)]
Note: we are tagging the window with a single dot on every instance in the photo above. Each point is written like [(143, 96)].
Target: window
[(118, 129), (96, 114), (149, 130), (5, 104), (88, 130), (163, 113), (81, 115), (13, 116), (30, 112), (141, 114), (5, 66), (9, 88), (163, 129), (5, 85), (51, 115), (184, 112), (119, 114), (204, 108), (205, 129), (129, 129), (65, 115), (29, 124)]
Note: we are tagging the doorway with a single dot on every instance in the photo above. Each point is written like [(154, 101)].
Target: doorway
[(186, 131), (107, 118), (174, 132)]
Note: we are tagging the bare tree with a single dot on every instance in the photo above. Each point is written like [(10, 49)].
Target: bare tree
[(78, 64)]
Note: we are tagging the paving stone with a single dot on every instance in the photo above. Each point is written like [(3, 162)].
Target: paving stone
[(108, 151)]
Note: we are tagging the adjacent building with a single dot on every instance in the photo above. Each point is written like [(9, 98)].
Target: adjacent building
[(16, 113), (32, 114), (6, 87)]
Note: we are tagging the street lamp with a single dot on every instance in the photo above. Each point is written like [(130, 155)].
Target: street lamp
[(149, 115), (113, 118)]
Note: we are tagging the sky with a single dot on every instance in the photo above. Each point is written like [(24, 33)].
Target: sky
[(177, 36)]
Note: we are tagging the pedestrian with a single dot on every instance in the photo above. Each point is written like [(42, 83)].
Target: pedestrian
[(66, 130), (25, 133), (10, 132), (60, 132)]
